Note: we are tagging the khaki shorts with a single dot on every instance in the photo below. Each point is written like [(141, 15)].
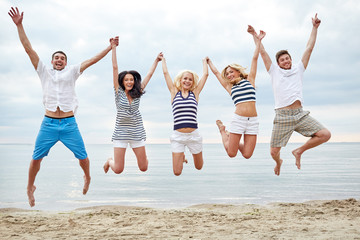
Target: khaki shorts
[(289, 120)]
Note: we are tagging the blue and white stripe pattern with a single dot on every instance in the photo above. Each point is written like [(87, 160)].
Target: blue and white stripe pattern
[(129, 124), (243, 92), (185, 111)]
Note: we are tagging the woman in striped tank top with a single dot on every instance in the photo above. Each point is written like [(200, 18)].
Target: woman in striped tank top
[(129, 127), (185, 91), (241, 87)]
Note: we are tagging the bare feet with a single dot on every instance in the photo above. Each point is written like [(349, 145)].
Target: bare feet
[(30, 193), (107, 165), (277, 167), (297, 156), (220, 125), (86, 184), (185, 160)]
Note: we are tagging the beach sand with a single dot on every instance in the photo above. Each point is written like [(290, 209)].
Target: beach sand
[(335, 219)]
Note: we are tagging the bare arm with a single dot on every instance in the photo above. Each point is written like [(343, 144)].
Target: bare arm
[(151, 71), (311, 43), (203, 79), (168, 79), (224, 83), (264, 55), (114, 42), (253, 68), (87, 63), (17, 19)]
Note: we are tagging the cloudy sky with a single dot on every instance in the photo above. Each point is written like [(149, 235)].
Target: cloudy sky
[(186, 32)]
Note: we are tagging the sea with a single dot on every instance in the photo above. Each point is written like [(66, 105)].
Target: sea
[(329, 171)]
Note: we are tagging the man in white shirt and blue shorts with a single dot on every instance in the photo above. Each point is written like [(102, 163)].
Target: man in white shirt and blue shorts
[(287, 81), (59, 98)]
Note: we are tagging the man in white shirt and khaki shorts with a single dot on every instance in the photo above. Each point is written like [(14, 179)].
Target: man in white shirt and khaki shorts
[(287, 87)]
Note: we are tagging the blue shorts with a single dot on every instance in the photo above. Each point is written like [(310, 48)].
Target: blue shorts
[(53, 130)]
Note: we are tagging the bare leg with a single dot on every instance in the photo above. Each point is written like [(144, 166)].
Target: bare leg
[(33, 170), (248, 147), (178, 161), (118, 164), (85, 165), (230, 141), (318, 138), (275, 154), (224, 134), (234, 144), (198, 160), (142, 160)]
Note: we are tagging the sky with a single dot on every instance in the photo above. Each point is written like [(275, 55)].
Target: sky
[(186, 32)]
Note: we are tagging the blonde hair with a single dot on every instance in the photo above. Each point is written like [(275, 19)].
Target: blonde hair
[(179, 77), (237, 67)]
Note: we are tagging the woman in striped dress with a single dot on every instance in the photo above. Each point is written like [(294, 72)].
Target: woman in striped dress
[(241, 87), (129, 127), (185, 91)]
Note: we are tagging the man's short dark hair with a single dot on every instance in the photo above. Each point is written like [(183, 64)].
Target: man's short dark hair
[(280, 53), (52, 57)]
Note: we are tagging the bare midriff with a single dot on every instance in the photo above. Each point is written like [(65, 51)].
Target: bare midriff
[(295, 105), (246, 109), (58, 113), (186, 130)]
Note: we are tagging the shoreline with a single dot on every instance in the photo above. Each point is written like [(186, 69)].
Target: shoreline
[(316, 219)]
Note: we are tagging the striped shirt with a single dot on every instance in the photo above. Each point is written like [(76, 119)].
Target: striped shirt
[(184, 111), (129, 124), (243, 92)]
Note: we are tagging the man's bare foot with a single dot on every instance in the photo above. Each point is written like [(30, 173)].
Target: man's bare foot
[(297, 156), (107, 165), (220, 125), (277, 167), (30, 193), (86, 184)]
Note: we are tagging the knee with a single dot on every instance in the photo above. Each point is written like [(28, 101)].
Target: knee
[(232, 154), (326, 135), (274, 153), (199, 166), (247, 155), (177, 172), (118, 170), (143, 168)]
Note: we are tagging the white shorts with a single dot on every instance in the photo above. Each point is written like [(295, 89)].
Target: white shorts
[(124, 143), (192, 140), (244, 125)]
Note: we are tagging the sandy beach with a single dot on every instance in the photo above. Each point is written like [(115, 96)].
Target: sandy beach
[(336, 219)]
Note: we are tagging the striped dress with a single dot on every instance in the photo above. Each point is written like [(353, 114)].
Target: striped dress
[(185, 111), (129, 124), (243, 92)]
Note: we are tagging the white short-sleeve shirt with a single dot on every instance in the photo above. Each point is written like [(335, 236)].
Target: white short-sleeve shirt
[(59, 87), (287, 84)]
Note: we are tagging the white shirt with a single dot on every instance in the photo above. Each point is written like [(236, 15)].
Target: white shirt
[(59, 87), (287, 84)]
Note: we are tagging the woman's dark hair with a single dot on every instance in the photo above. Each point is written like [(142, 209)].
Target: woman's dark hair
[(136, 91)]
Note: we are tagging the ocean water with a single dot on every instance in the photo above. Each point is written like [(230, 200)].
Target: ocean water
[(330, 171)]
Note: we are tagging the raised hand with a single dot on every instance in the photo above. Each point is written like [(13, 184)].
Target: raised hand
[(251, 30), (261, 35), (16, 16), (315, 21), (159, 57)]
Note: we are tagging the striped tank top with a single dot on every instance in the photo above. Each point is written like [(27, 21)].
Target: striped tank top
[(243, 92), (185, 111), (129, 124)]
